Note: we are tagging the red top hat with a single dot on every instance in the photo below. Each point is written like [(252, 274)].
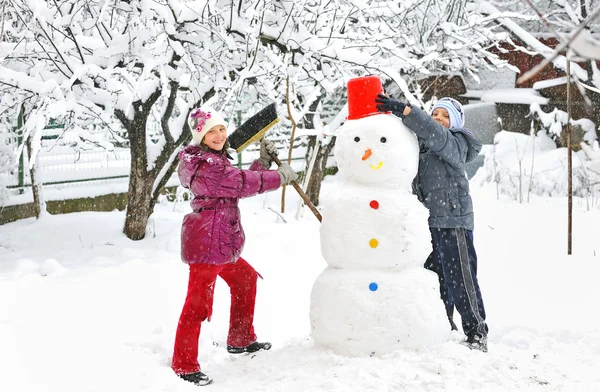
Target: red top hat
[(362, 93)]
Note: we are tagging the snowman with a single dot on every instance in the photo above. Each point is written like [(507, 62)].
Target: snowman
[(375, 296)]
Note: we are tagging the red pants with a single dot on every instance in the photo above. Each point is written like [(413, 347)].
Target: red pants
[(241, 278)]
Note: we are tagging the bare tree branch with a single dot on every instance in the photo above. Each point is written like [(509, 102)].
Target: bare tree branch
[(560, 48)]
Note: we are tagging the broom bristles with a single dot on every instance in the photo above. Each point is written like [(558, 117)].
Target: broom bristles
[(257, 137), (254, 128)]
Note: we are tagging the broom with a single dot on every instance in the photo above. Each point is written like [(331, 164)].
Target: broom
[(253, 130)]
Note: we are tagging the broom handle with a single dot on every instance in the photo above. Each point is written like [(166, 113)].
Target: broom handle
[(300, 191)]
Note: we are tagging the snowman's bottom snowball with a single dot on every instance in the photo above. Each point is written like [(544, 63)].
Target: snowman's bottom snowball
[(372, 312)]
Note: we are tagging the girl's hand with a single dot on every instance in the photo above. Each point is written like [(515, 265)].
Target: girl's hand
[(267, 147), (286, 173)]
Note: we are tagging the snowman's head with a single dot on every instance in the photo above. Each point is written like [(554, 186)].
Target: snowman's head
[(377, 150)]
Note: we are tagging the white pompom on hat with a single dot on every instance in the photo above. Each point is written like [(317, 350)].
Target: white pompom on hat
[(455, 111), (202, 119)]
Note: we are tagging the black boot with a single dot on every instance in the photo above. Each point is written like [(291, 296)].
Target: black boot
[(197, 378), (252, 347), (477, 342)]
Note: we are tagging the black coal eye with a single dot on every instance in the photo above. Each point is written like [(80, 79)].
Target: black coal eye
[(383, 140), (357, 139)]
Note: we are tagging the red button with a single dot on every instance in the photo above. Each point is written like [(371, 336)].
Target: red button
[(374, 204)]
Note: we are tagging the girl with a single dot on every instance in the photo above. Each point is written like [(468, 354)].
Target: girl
[(212, 238), (442, 186)]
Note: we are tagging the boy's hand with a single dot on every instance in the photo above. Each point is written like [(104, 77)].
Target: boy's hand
[(390, 104)]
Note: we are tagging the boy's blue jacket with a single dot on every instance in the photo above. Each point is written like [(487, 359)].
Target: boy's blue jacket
[(441, 183)]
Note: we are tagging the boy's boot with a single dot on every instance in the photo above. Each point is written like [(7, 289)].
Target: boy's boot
[(477, 342)]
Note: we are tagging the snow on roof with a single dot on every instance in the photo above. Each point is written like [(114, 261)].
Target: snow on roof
[(508, 95), (491, 79)]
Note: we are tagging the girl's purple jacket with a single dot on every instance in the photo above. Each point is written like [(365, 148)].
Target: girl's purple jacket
[(213, 233)]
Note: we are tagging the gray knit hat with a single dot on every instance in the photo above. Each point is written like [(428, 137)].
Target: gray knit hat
[(455, 111)]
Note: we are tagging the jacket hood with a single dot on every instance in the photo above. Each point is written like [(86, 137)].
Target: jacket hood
[(474, 145), (191, 157)]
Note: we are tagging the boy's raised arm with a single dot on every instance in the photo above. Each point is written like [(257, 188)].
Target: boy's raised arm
[(449, 146)]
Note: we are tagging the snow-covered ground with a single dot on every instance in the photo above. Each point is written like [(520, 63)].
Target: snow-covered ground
[(82, 308)]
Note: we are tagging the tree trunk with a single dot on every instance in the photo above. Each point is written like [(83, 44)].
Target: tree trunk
[(140, 182), (38, 202), (139, 206), (314, 183), (142, 195)]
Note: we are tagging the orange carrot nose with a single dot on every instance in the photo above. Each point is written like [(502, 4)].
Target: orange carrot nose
[(367, 154)]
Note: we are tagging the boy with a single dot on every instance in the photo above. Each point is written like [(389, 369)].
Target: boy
[(442, 186)]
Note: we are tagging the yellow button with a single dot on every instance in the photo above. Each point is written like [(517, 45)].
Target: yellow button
[(373, 243)]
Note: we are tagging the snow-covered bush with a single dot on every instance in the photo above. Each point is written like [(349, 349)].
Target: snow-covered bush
[(521, 164), (556, 122)]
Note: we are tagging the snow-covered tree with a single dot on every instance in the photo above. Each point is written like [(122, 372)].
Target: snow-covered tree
[(575, 23), (137, 67)]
